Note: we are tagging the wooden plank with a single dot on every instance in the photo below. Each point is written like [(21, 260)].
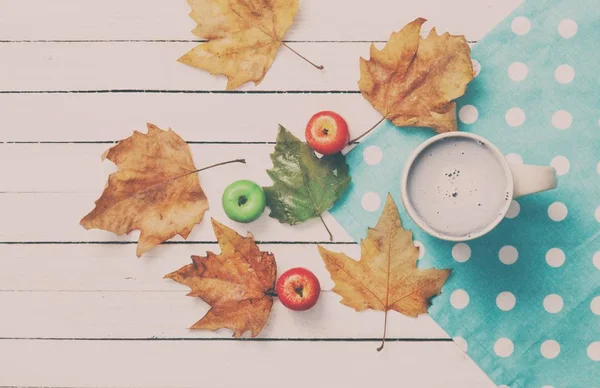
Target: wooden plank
[(55, 185), (116, 268), (54, 217), (69, 168), (168, 19), (141, 66), (196, 117), (168, 314), (151, 65), (178, 364)]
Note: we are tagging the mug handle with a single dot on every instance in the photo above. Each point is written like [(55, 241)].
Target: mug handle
[(530, 179)]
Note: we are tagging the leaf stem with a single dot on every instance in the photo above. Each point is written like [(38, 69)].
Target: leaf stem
[(325, 225), (384, 330), (354, 141), (220, 164), (320, 67)]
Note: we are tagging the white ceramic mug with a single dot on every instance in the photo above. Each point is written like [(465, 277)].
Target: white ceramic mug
[(458, 186)]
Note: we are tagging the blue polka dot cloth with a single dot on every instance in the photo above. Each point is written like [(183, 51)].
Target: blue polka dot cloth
[(524, 300)]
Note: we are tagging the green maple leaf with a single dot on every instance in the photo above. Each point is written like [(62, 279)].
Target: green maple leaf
[(304, 186)]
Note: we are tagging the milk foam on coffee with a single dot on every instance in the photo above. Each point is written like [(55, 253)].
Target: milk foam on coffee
[(458, 186)]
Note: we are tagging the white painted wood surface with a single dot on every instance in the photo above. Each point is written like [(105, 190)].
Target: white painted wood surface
[(195, 117), (237, 364), (317, 20), (78, 309)]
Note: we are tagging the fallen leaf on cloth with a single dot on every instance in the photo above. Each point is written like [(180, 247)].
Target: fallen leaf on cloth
[(243, 37), (239, 283), (386, 277), (156, 190), (412, 81), (304, 186)]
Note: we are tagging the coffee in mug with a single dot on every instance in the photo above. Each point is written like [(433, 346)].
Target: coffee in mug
[(458, 186)]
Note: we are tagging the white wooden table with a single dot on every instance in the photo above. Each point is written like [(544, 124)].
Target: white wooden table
[(76, 307)]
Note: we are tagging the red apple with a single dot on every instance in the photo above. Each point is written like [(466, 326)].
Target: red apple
[(327, 133), (298, 289)]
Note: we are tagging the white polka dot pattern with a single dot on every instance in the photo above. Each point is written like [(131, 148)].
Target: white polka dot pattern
[(460, 341), (504, 347), (515, 117), (562, 119), (476, 66), (521, 25), (513, 210), (561, 164), (567, 28), (550, 349), (557, 211), (517, 71), (555, 257), (553, 304), (372, 155), (593, 351), (506, 301), (514, 158), (468, 114), (371, 202), (461, 252), (595, 305), (508, 254), (459, 299), (564, 74)]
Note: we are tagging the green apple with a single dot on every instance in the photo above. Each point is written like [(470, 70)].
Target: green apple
[(244, 201)]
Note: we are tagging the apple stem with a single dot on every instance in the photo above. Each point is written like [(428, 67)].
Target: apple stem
[(220, 164), (354, 141), (326, 228), (320, 67), (384, 330)]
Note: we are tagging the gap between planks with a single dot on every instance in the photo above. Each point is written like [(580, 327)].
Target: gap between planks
[(184, 41), (228, 339), (186, 242), (142, 67), (116, 141), (177, 91)]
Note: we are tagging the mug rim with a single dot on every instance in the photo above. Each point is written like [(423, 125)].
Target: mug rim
[(420, 222)]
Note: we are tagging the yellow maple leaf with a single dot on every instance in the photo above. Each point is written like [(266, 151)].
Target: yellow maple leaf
[(244, 36), (156, 190), (239, 283), (412, 81), (386, 277)]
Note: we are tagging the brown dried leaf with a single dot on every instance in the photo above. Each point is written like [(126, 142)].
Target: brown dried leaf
[(412, 81), (238, 283), (244, 36), (386, 277), (155, 190)]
